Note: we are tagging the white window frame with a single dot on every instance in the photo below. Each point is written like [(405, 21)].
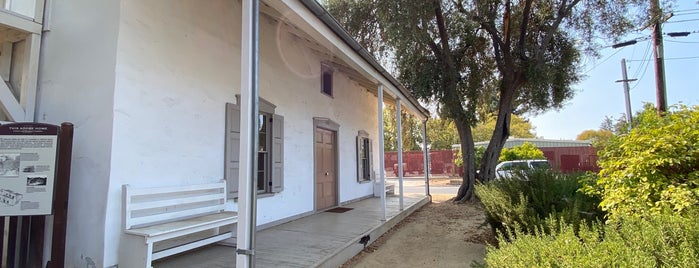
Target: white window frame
[(273, 167)]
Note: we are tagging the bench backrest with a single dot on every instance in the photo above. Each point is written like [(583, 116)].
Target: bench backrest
[(148, 206)]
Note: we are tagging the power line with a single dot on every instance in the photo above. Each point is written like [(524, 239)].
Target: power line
[(645, 55), (629, 42), (678, 33), (678, 58), (603, 61), (678, 21), (683, 42), (685, 10), (638, 82), (647, 63), (684, 14)]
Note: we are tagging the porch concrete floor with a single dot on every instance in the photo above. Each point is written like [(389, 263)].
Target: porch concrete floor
[(323, 239)]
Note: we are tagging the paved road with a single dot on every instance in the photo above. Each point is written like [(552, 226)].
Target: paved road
[(417, 186)]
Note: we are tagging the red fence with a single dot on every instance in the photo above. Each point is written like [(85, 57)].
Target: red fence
[(441, 162), (572, 159), (565, 159)]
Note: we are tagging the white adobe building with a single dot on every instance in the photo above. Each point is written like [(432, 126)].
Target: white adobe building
[(153, 88)]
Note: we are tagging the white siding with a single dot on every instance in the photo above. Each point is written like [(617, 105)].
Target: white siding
[(77, 85), (178, 63)]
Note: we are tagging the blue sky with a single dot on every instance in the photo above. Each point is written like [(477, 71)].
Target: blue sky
[(598, 95)]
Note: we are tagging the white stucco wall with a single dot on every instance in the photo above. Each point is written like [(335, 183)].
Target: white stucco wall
[(146, 82), (177, 65), (76, 84)]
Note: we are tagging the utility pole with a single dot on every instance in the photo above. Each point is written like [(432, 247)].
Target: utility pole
[(626, 81), (656, 17)]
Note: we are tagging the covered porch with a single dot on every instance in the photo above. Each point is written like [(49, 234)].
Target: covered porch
[(325, 239)]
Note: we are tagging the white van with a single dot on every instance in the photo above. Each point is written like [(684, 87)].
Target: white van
[(505, 169)]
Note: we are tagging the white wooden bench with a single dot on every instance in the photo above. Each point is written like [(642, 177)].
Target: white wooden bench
[(159, 222), (390, 189)]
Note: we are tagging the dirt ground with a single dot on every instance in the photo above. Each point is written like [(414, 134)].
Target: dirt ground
[(440, 234)]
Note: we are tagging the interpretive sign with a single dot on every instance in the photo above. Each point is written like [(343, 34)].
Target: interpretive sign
[(27, 168)]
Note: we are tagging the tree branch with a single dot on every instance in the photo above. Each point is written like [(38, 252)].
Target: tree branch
[(443, 36), (460, 6), (506, 26), (430, 43), (523, 28), (497, 42), (563, 11), (435, 49)]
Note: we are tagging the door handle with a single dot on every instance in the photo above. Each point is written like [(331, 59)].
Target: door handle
[(327, 173)]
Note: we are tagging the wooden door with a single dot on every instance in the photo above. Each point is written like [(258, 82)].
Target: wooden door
[(325, 169)]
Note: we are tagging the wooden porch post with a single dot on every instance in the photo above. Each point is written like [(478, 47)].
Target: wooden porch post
[(426, 152), (60, 205), (247, 195), (382, 170), (399, 140)]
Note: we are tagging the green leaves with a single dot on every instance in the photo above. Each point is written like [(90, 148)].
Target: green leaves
[(476, 57), (520, 127), (411, 131), (522, 152), (662, 240), (655, 166), (442, 133), (525, 201)]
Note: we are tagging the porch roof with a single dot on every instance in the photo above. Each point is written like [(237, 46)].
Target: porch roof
[(314, 20)]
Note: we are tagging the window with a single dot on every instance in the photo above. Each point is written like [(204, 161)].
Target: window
[(326, 80), (364, 157), (270, 155), (263, 163)]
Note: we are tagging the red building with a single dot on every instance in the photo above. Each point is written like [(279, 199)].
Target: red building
[(564, 155)]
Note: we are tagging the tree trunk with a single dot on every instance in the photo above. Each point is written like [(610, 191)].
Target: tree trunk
[(466, 191), (502, 128)]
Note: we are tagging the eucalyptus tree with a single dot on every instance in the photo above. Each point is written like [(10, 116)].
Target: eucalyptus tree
[(474, 57)]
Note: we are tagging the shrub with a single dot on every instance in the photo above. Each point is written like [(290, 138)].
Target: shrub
[(654, 166), (527, 198), (665, 239), (459, 158), (521, 152)]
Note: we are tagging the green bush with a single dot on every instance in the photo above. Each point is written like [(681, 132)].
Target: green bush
[(521, 152), (526, 199), (655, 166), (662, 240), (649, 186), (478, 151)]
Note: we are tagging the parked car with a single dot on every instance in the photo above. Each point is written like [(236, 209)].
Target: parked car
[(505, 169)]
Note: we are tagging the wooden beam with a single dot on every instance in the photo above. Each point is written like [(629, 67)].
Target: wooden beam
[(353, 74), (5, 59), (268, 10), (17, 21), (11, 35), (9, 104), (39, 11), (29, 77)]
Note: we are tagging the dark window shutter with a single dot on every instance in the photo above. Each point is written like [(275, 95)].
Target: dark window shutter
[(277, 153), (371, 159), (360, 163), (232, 148)]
